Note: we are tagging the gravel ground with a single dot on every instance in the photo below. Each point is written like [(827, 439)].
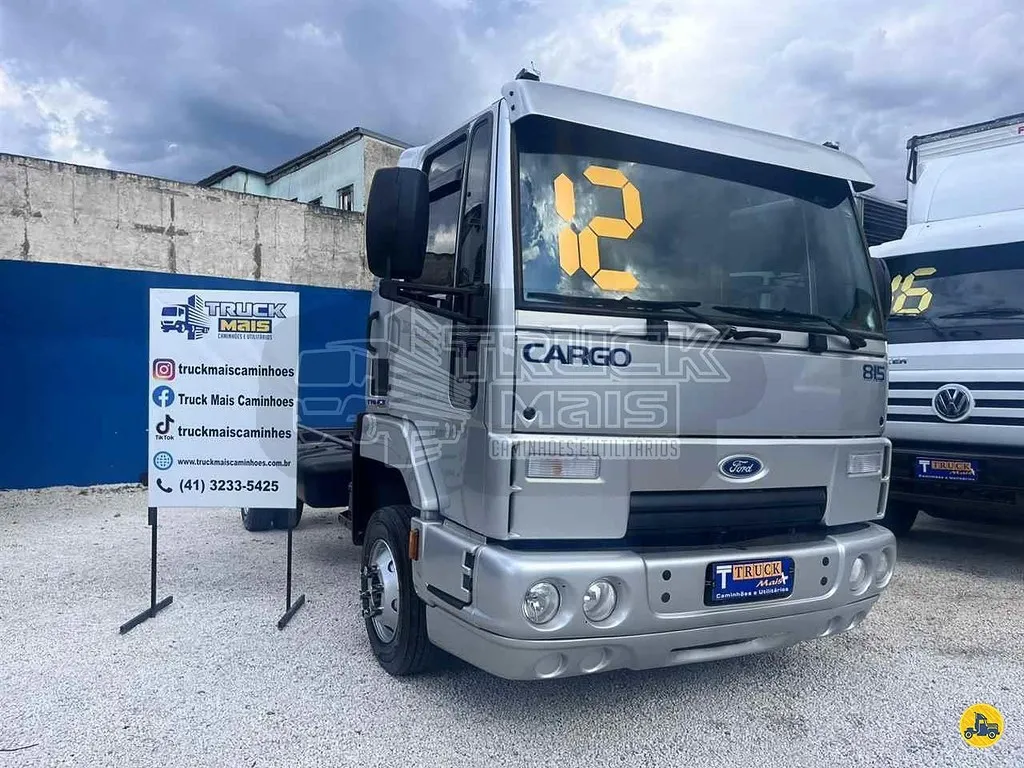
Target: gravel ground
[(212, 681)]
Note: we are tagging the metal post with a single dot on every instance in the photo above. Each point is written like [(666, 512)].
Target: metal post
[(154, 607), (290, 609)]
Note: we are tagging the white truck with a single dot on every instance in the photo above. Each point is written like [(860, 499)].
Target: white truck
[(956, 329), (625, 409)]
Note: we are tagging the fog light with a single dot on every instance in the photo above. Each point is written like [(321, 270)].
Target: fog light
[(864, 464), (599, 600), (553, 467), (859, 574), (541, 603), (885, 566)]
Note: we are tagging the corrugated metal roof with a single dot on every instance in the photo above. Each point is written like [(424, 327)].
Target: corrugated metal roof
[(884, 220)]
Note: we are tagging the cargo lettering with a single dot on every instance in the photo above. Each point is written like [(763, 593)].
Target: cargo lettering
[(572, 354)]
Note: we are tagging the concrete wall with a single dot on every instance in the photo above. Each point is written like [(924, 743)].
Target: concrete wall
[(68, 214)]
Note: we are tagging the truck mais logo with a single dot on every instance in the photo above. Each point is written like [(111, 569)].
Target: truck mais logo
[(234, 319), (245, 319)]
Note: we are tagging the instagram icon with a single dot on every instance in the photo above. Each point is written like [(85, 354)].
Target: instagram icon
[(163, 369)]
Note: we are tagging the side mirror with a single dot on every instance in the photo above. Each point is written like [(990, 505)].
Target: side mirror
[(396, 223), (883, 280)]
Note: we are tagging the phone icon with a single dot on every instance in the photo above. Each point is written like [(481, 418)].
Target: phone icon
[(162, 487)]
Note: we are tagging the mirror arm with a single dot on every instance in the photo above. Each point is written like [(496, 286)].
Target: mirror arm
[(403, 293)]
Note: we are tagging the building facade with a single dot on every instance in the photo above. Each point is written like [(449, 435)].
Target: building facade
[(337, 174)]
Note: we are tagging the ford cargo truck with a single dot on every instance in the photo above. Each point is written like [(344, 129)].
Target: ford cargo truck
[(626, 393), (956, 330)]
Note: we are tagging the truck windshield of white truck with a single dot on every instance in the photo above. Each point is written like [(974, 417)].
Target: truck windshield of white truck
[(605, 216), (966, 294)]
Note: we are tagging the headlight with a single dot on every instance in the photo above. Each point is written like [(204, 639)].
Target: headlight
[(540, 603), (599, 600), (859, 574)]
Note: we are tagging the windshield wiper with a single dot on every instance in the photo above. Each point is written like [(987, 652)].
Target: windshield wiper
[(688, 308), (924, 319), (998, 311), (856, 340)]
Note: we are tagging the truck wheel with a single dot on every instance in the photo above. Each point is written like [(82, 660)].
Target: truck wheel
[(281, 516), (899, 518), (257, 518), (396, 621)]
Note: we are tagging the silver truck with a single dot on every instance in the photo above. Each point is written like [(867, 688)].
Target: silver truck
[(956, 329), (626, 397)]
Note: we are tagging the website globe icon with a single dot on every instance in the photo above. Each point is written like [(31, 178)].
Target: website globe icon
[(163, 460)]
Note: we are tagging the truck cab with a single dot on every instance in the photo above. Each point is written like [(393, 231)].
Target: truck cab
[(173, 318), (956, 329), (626, 393)]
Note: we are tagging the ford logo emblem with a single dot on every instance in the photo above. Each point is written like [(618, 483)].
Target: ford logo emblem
[(740, 468)]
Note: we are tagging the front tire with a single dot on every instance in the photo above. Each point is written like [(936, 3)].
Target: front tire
[(396, 622), (899, 518), (257, 518), (281, 516)]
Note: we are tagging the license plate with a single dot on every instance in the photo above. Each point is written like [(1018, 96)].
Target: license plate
[(927, 468), (748, 581)]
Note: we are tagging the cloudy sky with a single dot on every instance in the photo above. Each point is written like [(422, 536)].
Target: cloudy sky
[(182, 89)]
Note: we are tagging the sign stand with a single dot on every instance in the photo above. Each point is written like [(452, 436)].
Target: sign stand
[(290, 608), (223, 398), (154, 606)]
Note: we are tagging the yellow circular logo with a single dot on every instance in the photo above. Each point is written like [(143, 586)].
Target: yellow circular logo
[(981, 725)]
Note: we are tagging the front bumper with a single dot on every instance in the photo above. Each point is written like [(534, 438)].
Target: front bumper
[(474, 593), (994, 489), (541, 659)]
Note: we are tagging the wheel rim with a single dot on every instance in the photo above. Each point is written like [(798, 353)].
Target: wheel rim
[(384, 584)]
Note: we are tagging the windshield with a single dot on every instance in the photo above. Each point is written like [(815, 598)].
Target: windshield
[(605, 215), (958, 295)]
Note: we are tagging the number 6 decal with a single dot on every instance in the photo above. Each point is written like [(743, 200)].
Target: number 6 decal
[(581, 250), (904, 288)]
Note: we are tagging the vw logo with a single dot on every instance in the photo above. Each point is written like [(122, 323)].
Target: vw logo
[(953, 402), (741, 468)]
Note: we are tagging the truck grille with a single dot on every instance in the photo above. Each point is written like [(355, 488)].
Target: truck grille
[(995, 402), (763, 511)]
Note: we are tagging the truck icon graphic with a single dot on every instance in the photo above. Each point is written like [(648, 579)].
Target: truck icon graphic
[(186, 318)]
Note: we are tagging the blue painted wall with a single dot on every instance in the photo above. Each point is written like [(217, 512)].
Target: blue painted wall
[(74, 367)]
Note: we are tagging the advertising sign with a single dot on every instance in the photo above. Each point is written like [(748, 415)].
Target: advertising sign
[(223, 393)]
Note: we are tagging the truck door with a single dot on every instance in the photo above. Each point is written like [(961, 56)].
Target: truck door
[(433, 358)]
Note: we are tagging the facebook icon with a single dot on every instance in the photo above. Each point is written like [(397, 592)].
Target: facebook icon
[(163, 396)]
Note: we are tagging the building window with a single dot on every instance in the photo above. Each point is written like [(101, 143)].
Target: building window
[(345, 198), (316, 201)]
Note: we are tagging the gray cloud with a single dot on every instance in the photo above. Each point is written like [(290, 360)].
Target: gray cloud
[(183, 89)]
